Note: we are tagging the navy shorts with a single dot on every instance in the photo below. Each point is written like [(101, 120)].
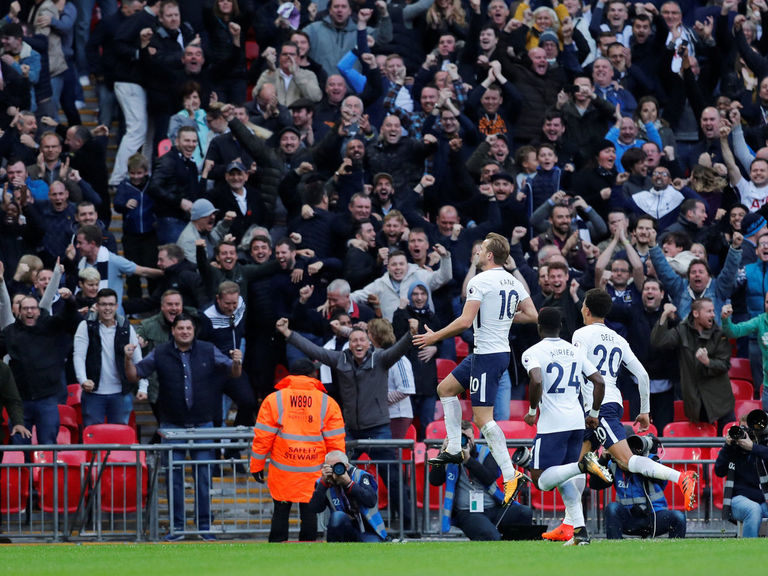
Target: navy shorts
[(480, 374), (556, 448), (610, 430)]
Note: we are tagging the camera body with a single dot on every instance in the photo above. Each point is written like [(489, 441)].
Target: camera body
[(339, 469), (571, 89), (464, 441)]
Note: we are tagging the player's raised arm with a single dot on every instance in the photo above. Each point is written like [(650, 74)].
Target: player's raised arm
[(526, 313)]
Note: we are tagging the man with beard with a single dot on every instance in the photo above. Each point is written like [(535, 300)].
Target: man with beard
[(178, 275), (412, 121), (565, 227), (704, 354), (565, 296), (383, 193), (361, 262), (662, 200), (228, 268)]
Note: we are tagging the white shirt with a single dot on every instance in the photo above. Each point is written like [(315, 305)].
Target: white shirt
[(562, 365), (400, 379), (499, 293), (607, 351), (751, 196)]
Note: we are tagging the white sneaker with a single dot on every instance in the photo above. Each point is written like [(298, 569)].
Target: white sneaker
[(85, 80)]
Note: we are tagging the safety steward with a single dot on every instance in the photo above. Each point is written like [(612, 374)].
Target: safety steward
[(296, 427)]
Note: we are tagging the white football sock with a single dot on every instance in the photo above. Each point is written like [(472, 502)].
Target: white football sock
[(497, 443), (452, 411), (557, 475), (579, 483), (650, 468), (572, 499)]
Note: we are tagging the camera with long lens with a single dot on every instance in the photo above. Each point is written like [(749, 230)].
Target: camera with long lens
[(522, 457), (738, 432), (757, 424), (643, 445), (464, 441), (339, 469)]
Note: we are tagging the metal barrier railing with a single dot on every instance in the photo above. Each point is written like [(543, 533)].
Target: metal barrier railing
[(110, 491)]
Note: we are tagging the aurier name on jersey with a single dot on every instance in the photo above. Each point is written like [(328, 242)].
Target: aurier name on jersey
[(562, 365), (499, 294)]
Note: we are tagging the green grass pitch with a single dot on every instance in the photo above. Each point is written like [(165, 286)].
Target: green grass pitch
[(717, 557)]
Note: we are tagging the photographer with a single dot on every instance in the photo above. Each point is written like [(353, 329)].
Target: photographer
[(742, 461), (640, 508), (351, 494), (472, 498)]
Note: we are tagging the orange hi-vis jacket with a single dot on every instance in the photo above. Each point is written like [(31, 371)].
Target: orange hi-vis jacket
[(297, 425)]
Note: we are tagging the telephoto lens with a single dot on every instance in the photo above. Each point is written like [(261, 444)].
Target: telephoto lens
[(737, 433), (339, 469)]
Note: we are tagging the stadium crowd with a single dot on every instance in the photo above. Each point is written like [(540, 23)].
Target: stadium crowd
[(337, 161)]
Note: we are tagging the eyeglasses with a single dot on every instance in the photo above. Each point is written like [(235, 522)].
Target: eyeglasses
[(660, 173), (107, 305)]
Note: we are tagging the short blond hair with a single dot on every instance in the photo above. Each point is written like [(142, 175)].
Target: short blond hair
[(497, 245)]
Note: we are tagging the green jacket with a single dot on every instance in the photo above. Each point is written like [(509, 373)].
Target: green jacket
[(701, 385), (757, 326)]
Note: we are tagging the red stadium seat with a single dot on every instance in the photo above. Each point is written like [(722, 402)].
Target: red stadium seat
[(251, 50), (119, 479), (689, 429), (74, 399), (625, 406), (68, 419), (549, 501), (63, 437), (742, 389), (516, 429), (462, 349), (69, 479), (163, 147), (436, 430), (365, 464), (14, 484), (740, 369), (444, 367), (672, 492), (466, 410), (420, 457), (280, 372), (635, 426), (518, 409), (109, 434), (744, 407), (680, 412)]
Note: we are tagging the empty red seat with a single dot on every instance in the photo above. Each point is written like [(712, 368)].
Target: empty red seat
[(109, 434), (516, 429), (742, 389), (635, 426), (444, 367), (740, 369), (672, 492), (518, 409), (462, 349), (68, 419), (14, 483), (680, 412), (689, 429), (365, 464), (119, 481), (420, 457), (744, 407), (63, 437), (70, 476)]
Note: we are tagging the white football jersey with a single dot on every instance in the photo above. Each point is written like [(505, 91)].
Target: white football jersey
[(499, 293), (607, 351), (562, 365)]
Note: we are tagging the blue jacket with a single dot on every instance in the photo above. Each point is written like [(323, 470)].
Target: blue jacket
[(138, 220), (364, 490), (757, 286), (719, 289), (631, 489), (206, 386)]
